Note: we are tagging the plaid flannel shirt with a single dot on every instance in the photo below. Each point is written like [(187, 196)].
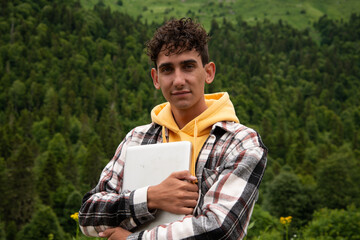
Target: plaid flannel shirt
[(229, 169)]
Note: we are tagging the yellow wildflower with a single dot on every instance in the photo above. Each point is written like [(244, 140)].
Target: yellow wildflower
[(285, 220), (51, 236), (75, 216)]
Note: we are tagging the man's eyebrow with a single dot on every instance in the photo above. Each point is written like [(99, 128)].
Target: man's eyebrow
[(189, 61), (166, 64)]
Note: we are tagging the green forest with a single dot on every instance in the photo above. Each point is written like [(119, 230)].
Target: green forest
[(75, 80)]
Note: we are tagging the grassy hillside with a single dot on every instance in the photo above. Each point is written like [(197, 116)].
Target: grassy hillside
[(300, 14)]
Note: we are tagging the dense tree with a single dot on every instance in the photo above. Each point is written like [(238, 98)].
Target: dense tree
[(334, 224), (43, 225), (73, 82), (58, 150), (3, 190), (93, 163), (286, 196), (71, 206), (2, 231), (48, 180), (60, 201), (20, 191), (336, 177), (262, 221)]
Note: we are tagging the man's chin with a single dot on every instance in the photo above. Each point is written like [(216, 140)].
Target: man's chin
[(181, 105)]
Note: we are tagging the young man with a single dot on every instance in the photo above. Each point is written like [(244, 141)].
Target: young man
[(228, 161)]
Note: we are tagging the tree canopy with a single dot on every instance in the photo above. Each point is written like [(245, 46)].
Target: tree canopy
[(74, 81)]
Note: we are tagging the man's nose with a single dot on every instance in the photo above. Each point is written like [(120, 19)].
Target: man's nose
[(179, 78)]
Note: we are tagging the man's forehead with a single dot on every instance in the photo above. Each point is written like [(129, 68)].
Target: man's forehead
[(165, 56), (171, 49)]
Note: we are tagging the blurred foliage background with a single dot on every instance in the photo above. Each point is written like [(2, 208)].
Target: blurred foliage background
[(74, 79)]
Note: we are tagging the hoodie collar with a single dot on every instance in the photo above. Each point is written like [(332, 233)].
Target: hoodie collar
[(220, 108)]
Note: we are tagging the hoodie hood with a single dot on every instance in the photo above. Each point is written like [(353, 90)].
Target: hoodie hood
[(220, 108)]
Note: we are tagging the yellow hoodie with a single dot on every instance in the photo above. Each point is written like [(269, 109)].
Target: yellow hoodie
[(220, 108)]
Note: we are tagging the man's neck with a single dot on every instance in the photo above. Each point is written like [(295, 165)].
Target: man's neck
[(184, 117)]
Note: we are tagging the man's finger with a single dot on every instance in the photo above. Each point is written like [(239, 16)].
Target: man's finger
[(190, 203), (193, 188), (106, 233), (184, 175), (187, 211)]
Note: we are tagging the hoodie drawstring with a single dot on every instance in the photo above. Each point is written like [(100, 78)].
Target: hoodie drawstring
[(193, 162), (164, 135)]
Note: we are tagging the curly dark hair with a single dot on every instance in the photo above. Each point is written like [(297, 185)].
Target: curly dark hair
[(177, 36)]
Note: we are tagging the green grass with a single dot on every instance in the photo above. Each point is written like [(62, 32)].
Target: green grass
[(298, 13)]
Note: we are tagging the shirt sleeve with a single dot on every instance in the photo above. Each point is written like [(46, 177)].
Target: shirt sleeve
[(226, 208), (108, 205)]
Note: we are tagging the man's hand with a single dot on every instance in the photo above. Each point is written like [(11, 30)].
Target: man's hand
[(176, 194), (115, 234)]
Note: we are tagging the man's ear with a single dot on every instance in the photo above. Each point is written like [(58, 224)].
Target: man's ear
[(210, 70), (155, 78)]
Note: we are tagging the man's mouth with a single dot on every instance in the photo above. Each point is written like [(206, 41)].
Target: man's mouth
[(182, 92)]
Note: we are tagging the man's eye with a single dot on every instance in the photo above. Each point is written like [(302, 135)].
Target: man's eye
[(166, 69), (189, 66)]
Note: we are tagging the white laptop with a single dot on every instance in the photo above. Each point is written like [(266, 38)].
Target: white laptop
[(148, 165)]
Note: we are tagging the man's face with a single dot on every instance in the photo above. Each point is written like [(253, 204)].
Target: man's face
[(181, 78)]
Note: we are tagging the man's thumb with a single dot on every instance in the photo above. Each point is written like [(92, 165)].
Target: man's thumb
[(184, 175)]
